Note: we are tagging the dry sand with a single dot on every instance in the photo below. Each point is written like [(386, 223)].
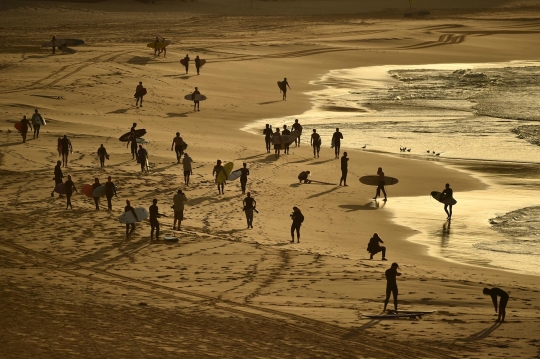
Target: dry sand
[(72, 287)]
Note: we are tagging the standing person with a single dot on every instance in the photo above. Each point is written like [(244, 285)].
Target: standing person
[(217, 169), (53, 45), (142, 156), (344, 169), (133, 141), (70, 186), (267, 132), (186, 162), (297, 127), (134, 126), (186, 63), (336, 141), (380, 187), (102, 153), (128, 208), (249, 207), (24, 128), (374, 247), (197, 64), (178, 143), (316, 143), (447, 193), (154, 223), (37, 121), (58, 176), (277, 143), (178, 206), (140, 91), (494, 292), (303, 176), (67, 148), (284, 89), (391, 284), (244, 177), (164, 48), (286, 132), (196, 100), (297, 219), (94, 186), (110, 191), (59, 146), (156, 50)]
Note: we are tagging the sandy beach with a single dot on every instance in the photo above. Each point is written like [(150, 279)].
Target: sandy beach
[(72, 286)]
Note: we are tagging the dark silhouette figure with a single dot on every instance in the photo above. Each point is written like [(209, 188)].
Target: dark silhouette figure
[(58, 176), (198, 64), (380, 187), (70, 186), (297, 127), (110, 191), (249, 206), (94, 186), (267, 132), (374, 247), (133, 141), (142, 156), (67, 148), (24, 128), (297, 220), (447, 193), (196, 99), (303, 176), (37, 121), (215, 172), (494, 292), (284, 88), (316, 143), (286, 132), (344, 169), (186, 63), (154, 223), (391, 285), (277, 143), (102, 153), (244, 177), (128, 208), (140, 91), (336, 141), (178, 143)]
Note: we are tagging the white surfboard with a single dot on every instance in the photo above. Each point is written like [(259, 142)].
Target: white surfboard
[(234, 175), (128, 217)]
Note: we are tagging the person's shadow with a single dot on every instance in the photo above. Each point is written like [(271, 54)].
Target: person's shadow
[(483, 334)]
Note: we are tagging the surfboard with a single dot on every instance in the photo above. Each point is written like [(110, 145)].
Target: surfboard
[(202, 62), (87, 189), (234, 175), (183, 62), (138, 133), (197, 97), (101, 191), (18, 126), (288, 139), (374, 180), (141, 140), (394, 316), (60, 188), (63, 42), (437, 195), (222, 176), (159, 45), (184, 147), (128, 217), (171, 239), (282, 86), (411, 311)]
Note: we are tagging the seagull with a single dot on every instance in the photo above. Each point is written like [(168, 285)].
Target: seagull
[(438, 154), (433, 152), (427, 151), (364, 146), (409, 150)]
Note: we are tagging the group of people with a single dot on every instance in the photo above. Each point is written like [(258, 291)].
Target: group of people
[(34, 125), (198, 63)]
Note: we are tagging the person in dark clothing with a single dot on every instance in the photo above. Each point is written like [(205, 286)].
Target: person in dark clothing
[(53, 45), (217, 169), (37, 121), (186, 63), (316, 143), (374, 247), (303, 176), (142, 156), (196, 102), (67, 148), (344, 169), (391, 285), (284, 89), (58, 176), (133, 141), (297, 127), (297, 220), (94, 186), (110, 191), (277, 143), (128, 208), (380, 187), (24, 128), (178, 143), (140, 91), (336, 141), (197, 64), (267, 132), (133, 127), (286, 144), (446, 194), (249, 207), (70, 186), (102, 153), (154, 223), (244, 177), (494, 292)]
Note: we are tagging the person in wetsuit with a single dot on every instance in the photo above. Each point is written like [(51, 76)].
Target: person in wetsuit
[(336, 141), (94, 186), (277, 143), (24, 128), (494, 292), (249, 206), (188, 170), (297, 127), (139, 93), (197, 64), (178, 206), (37, 121), (110, 191), (391, 285), (285, 132), (344, 169), (186, 63), (70, 186), (381, 185), (58, 176), (297, 220), (244, 177), (303, 176), (196, 102), (267, 132), (177, 143), (284, 89), (374, 247), (446, 194), (142, 155), (133, 141), (67, 148), (154, 223), (102, 153), (128, 208), (316, 143), (217, 169)]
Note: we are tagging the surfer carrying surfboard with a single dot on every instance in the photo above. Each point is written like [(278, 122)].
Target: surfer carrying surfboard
[(277, 143), (177, 143), (316, 143), (283, 88), (446, 194), (249, 207), (185, 62), (391, 284), (217, 169), (37, 121), (195, 96), (140, 91), (94, 186), (380, 187), (336, 141), (128, 208), (187, 168), (102, 153), (267, 132), (24, 128), (297, 127)]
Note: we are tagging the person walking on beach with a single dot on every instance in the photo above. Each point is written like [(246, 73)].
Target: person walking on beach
[(53, 41), (447, 194), (94, 186), (186, 63), (133, 141), (156, 50), (217, 169), (297, 127), (249, 207), (178, 206), (24, 128), (297, 220), (37, 121), (196, 99), (267, 132), (127, 209), (380, 187), (186, 162), (286, 144), (58, 176), (494, 292), (336, 141), (344, 169), (110, 191), (140, 91), (197, 64), (59, 146), (178, 143), (316, 143), (244, 177), (374, 247), (303, 176), (102, 153), (70, 186), (164, 48), (154, 223), (67, 148), (391, 285), (142, 157), (284, 85), (277, 143), (133, 127)]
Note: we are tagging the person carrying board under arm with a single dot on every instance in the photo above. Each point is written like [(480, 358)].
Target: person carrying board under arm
[(447, 193), (127, 209)]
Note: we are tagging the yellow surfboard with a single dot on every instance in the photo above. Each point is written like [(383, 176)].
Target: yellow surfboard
[(222, 176), (159, 45)]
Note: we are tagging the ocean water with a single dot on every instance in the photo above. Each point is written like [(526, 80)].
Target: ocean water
[(450, 111)]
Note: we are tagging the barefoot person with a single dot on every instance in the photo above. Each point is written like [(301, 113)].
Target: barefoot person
[(102, 153), (70, 186), (142, 156), (336, 141), (154, 223), (316, 143), (196, 99), (277, 143), (297, 127), (198, 64), (244, 177), (344, 169), (188, 170), (178, 143), (178, 206), (58, 176), (186, 63), (37, 121), (249, 207), (391, 285), (297, 220), (374, 247), (303, 176), (127, 209), (133, 141), (286, 145), (447, 193), (498, 292), (381, 185), (140, 91), (67, 148), (24, 128), (94, 186), (217, 169), (110, 191), (267, 132), (284, 88)]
